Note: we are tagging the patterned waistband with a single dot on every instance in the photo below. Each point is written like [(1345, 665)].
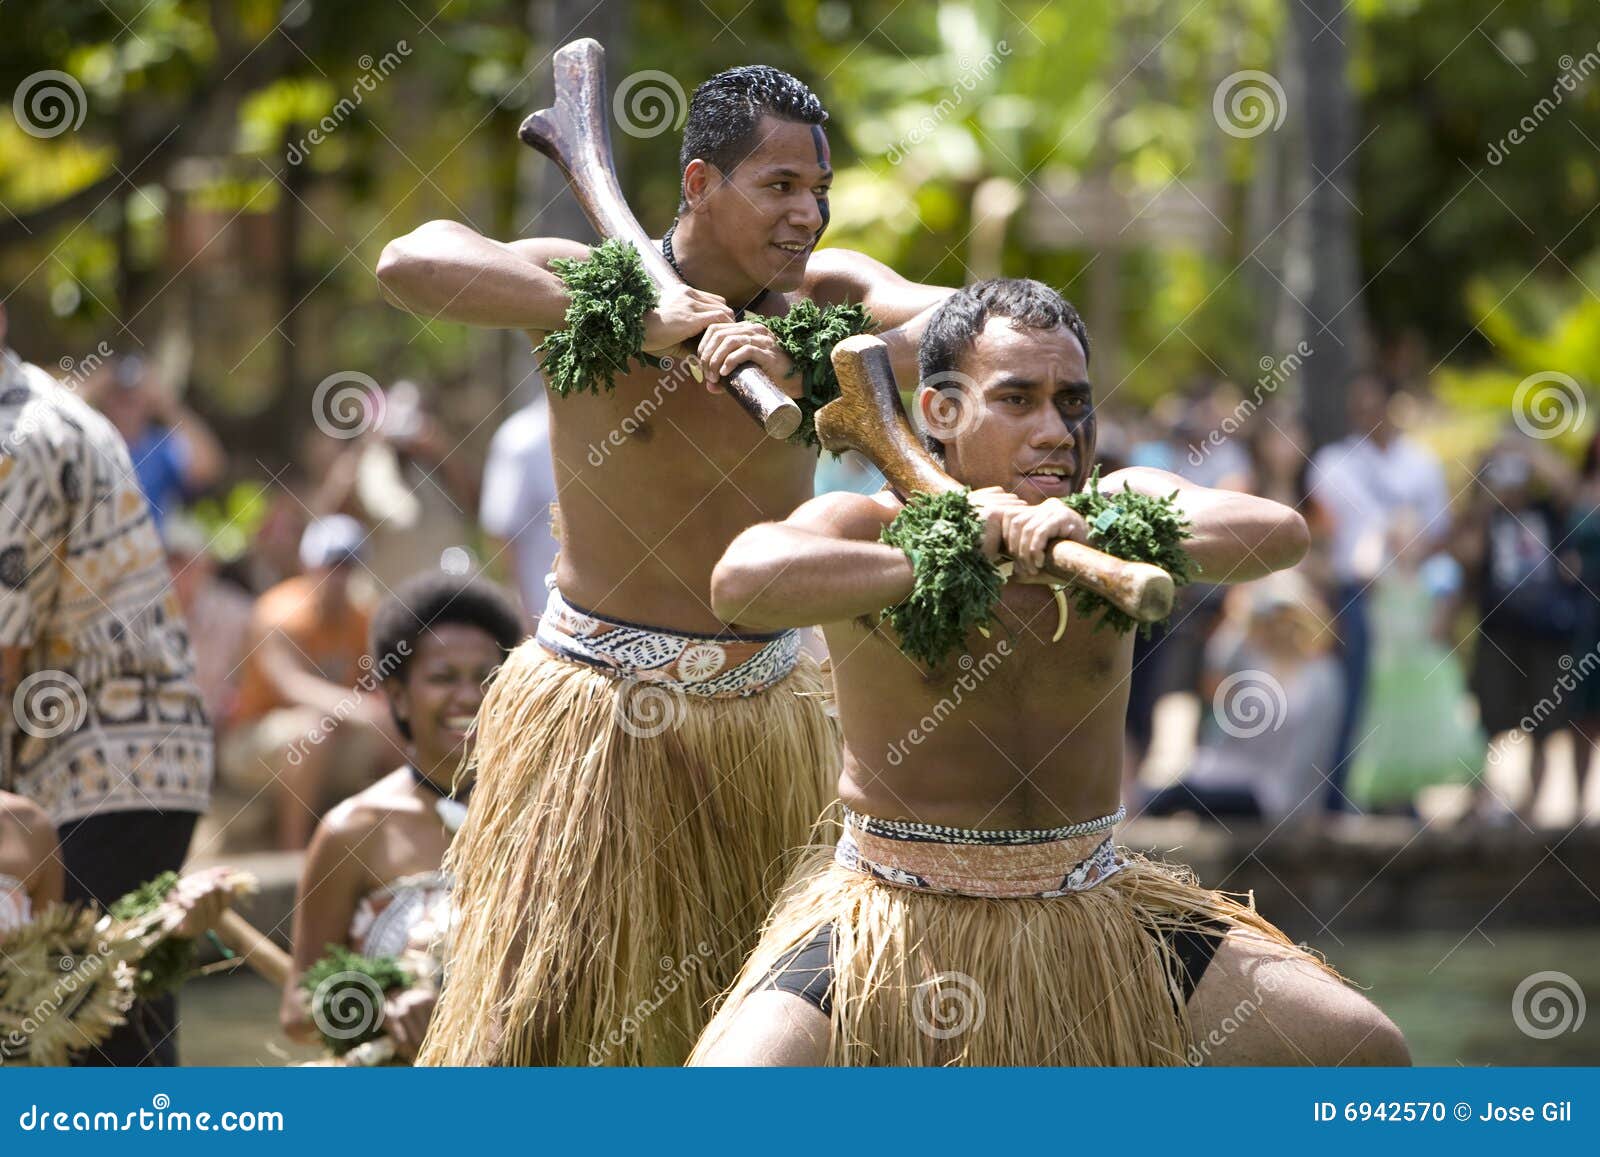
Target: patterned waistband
[(1005, 865), (722, 666)]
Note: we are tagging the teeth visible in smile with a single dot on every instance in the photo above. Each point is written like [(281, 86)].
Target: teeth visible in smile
[(1054, 471), (458, 722), (792, 247)]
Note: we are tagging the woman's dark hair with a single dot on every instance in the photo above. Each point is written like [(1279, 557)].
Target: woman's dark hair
[(431, 599), (954, 327), (726, 110)]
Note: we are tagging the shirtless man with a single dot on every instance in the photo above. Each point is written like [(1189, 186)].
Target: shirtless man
[(1078, 952), (605, 839)]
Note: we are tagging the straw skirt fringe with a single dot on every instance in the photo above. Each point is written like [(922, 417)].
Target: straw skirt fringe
[(623, 845), (923, 978)]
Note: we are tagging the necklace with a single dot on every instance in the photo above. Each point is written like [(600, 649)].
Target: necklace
[(672, 260), (452, 812)]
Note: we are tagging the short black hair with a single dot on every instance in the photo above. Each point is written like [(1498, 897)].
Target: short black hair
[(431, 599), (955, 325), (726, 110)]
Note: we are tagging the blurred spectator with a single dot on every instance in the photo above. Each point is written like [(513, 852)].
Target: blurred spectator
[(1418, 729), (1276, 694), (1530, 606), (174, 452), (106, 730), (1583, 538), (30, 864), (519, 488), (1376, 491), (410, 482), (373, 880), (217, 611), (310, 720)]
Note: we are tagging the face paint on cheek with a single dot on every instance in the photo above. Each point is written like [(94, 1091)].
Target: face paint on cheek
[(1084, 433), (825, 163)]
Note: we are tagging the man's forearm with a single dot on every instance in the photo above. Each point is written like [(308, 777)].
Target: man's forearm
[(1240, 537), (775, 577), (447, 271)]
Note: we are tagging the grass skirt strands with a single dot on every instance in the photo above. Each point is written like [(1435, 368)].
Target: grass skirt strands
[(623, 844), (1084, 973)]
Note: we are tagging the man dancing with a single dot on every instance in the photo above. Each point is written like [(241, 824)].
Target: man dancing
[(976, 909), (640, 769)]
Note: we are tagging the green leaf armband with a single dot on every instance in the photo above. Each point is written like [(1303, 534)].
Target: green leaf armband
[(957, 587), (808, 333), (1136, 527), (611, 293)]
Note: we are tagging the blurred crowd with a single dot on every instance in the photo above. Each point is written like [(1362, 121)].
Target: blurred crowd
[(1435, 626)]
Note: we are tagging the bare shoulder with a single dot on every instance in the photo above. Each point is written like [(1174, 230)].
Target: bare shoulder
[(353, 820), (844, 514), (835, 276), (1144, 480), (28, 818)]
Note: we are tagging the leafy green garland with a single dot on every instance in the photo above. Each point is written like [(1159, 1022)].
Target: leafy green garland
[(1136, 527), (349, 972), (611, 293), (956, 589), (808, 333), (166, 966)]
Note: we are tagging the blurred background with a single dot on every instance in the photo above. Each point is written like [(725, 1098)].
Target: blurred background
[(1343, 254)]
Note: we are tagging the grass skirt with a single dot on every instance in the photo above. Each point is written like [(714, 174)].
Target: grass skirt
[(924, 978), (623, 845)]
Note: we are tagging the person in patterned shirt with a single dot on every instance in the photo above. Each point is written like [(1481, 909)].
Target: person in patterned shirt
[(105, 730)]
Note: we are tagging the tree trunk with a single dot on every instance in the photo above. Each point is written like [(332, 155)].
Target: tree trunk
[(1327, 278)]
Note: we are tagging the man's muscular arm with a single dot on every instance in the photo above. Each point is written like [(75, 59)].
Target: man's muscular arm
[(900, 307), (823, 564), (445, 270), (1237, 537)]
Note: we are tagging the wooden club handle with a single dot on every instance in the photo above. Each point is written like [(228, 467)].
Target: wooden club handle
[(253, 947), (868, 417), (576, 134)]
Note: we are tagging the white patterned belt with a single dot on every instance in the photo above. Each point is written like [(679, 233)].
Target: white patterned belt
[(723, 666)]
